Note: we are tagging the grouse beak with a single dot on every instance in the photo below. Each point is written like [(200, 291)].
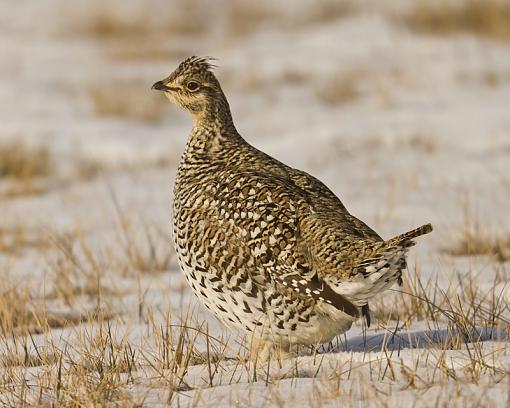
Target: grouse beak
[(160, 86)]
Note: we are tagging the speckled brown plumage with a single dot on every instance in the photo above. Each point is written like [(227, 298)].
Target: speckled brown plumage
[(267, 248)]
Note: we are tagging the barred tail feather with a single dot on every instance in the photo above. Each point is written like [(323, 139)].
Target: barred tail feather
[(379, 272), (406, 238)]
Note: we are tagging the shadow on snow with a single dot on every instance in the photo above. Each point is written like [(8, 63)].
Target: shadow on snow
[(399, 340)]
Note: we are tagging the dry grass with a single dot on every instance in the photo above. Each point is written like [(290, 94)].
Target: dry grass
[(101, 365), (21, 312), (19, 161), (23, 167), (463, 304), (20, 352), (128, 36), (419, 142), (245, 17), (254, 81), (77, 272), (23, 188), (140, 253), (187, 18), (89, 168), (194, 18), (475, 243), (341, 88), (73, 274), (17, 309), (16, 239), (178, 359), (97, 372), (488, 18), (94, 359), (126, 99), (145, 255), (89, 373), (476, 239)]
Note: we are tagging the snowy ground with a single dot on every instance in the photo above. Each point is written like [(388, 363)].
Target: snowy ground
[(406, 127)]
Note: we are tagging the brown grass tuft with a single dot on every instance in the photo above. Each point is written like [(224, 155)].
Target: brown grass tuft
[(475, 238), (21, 313), (90, 168), (15, 309), (419, 142), (16, 239), (19, 161), (246, 17), (488, 18), (23, 167), (341, 88), (464, 308), (77, 272), (141, 253), (130, 36), (108, 24), (476, 243)]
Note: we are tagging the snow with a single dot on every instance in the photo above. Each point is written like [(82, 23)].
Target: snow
[(425, 138)]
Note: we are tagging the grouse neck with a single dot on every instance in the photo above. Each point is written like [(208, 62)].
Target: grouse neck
[(215, 116), (213, 130)]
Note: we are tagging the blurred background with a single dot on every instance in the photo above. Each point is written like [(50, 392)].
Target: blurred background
[(401, 107)]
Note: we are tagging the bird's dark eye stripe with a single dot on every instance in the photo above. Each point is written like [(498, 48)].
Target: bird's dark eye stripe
[(192, 86)]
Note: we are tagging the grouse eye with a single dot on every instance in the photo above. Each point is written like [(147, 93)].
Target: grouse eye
[(192, 86)]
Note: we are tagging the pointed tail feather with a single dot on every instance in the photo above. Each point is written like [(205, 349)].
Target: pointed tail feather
[(410, 235), (380, 271)]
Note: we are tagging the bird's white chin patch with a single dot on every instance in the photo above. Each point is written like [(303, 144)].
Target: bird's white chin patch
[(170, 96)]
